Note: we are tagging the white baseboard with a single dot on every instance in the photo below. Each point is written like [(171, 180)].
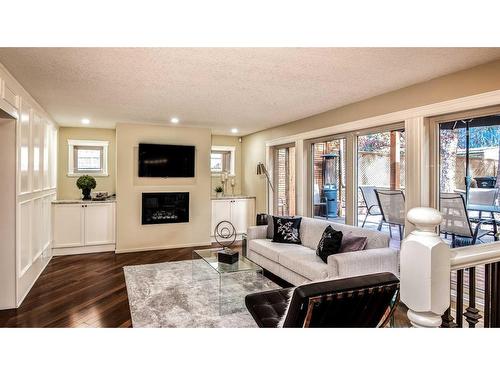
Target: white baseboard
[(20, 301), (83, 250)]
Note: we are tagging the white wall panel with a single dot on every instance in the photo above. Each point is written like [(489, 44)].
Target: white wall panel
[(46, 155), (24, 148), (24, 237), (36, 132)]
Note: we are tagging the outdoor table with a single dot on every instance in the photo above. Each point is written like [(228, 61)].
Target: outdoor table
[(491, 209)]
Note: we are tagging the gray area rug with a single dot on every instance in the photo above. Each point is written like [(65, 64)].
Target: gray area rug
[(166, 295)]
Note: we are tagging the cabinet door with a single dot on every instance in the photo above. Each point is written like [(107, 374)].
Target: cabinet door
[(99, 224), (68, 225), (242, 214), (221, 210)]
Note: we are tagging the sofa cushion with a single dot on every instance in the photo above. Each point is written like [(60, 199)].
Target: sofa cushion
[(270, 225), (330, 243), (286, 230), (304, 262), (271, 250), (353, 243), (311, 231)]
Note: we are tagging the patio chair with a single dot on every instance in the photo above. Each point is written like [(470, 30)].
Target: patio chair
[(482, 196), (392, 206), (456, 220), (371, 202), (365, 301)]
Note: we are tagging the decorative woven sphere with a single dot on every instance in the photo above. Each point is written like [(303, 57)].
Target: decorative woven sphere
[(225, 234)]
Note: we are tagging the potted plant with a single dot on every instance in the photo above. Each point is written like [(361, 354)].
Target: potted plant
[(86, 184), (219, 191)]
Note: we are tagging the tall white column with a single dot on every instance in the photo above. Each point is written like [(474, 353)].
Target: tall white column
[(425, 269)]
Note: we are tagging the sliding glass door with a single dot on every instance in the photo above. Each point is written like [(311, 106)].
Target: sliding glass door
[(328, 180), (380, 167), (284, 180), (469, 154)]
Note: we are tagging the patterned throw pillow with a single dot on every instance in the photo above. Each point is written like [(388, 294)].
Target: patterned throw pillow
[(330, 243), (270, 225), (286, 230)]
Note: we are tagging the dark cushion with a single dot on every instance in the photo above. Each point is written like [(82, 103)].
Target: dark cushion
[(267, 308), (270, 225), (353, 243), (286, 230), (330, 243)]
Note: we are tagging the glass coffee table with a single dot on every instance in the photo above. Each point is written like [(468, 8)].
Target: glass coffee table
[(234, 280)]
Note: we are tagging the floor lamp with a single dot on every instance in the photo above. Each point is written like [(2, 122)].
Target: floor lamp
[(262, 170)]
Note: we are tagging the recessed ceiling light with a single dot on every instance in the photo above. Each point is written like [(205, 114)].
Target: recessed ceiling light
[(85, 121), (174, 120), (234, 130)]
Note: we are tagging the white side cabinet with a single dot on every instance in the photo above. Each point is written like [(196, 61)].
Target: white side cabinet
[(239, 211), (83, 227)]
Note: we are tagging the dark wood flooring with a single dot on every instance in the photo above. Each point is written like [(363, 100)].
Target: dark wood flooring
[(89, 291)]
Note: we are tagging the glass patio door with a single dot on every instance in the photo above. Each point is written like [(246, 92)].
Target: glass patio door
[(284, 181), (380, 166), (469, 154), (329, 180)]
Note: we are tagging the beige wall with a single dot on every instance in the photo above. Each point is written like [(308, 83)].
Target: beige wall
[(66, 186), (472, 81), (131, 235), (223, 140)]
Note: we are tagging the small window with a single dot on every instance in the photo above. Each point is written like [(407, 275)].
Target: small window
[(222, 160), (87, 157)]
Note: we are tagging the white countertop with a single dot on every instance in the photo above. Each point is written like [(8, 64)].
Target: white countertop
[(232, 197), (80, 201)]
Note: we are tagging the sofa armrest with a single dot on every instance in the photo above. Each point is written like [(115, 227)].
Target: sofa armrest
[(364, 262), (255, 232)]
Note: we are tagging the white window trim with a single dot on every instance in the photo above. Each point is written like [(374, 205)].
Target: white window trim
[(75, 142), (232, 151)]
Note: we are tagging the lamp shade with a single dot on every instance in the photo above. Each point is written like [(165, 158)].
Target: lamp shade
[(261, 169)]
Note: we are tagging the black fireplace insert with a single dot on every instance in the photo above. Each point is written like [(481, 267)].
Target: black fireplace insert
[(164, 208)]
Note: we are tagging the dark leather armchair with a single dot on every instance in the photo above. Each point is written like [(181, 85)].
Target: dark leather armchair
[(361, 301)]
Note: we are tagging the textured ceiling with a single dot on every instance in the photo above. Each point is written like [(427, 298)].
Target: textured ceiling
[(221, 88)]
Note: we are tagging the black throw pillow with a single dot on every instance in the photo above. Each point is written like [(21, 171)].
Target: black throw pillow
[(330, 243), (286, 230), (270, 225)]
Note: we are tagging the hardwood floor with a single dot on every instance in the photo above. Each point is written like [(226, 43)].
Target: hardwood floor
[(89, 291), (83, 291)]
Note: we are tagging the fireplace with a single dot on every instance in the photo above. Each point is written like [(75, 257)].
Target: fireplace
[(165, 208)]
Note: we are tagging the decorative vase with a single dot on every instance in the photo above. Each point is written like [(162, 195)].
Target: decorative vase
[(86, 194), (218, 194)]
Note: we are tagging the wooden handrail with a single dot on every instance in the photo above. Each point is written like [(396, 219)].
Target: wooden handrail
[(426, 264), (475, 255)]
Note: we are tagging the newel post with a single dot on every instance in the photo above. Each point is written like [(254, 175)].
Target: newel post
[(425, 269)]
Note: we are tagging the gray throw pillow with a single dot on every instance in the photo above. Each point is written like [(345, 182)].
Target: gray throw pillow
[(270, 227), (351, 242)]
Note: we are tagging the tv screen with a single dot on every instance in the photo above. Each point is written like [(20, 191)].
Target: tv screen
[(166, 160)]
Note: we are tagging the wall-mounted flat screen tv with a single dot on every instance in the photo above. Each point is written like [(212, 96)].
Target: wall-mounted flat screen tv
[(166, 160)]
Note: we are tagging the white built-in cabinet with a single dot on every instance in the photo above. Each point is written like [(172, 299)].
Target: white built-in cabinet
[(83, 227), (28, 146), (239, 211)]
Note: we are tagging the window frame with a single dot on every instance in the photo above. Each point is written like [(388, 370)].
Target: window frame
[(74, 145), (231, 150)]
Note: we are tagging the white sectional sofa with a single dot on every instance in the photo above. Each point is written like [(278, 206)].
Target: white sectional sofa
[(299, 264)]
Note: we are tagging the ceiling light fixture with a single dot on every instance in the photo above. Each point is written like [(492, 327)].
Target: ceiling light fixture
[(85, 121), (174, 120), (234, 130)]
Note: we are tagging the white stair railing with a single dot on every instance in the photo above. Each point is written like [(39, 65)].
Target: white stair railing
[(426, 263)]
